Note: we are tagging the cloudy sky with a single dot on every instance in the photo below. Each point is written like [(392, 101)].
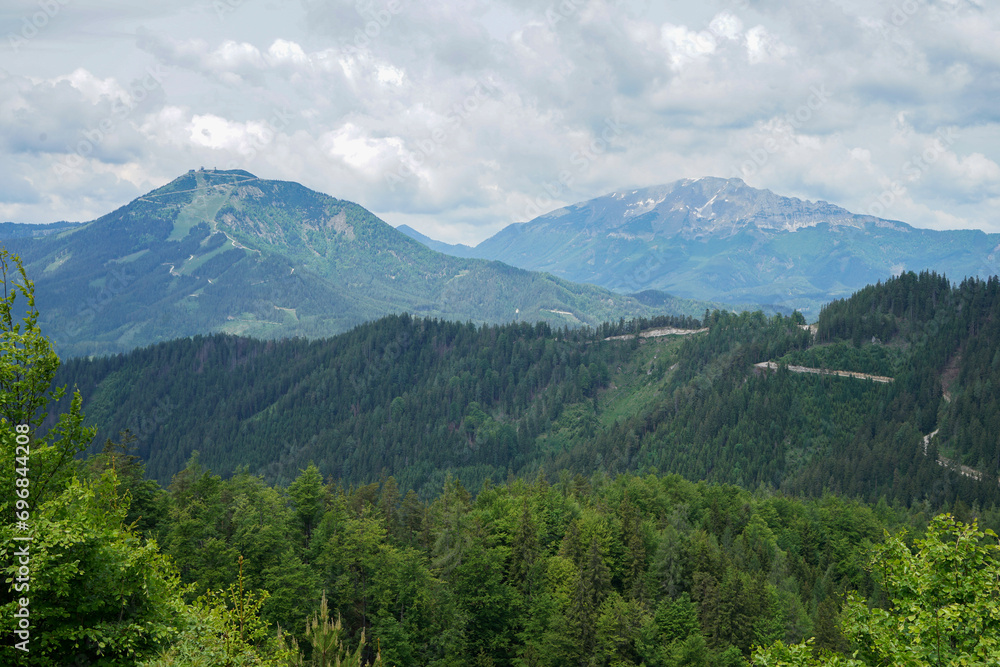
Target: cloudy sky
[(459, 118)]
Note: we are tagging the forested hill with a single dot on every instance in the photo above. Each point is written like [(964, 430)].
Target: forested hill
[(413, 396), (419, 398), (721, 419), (946, 340)]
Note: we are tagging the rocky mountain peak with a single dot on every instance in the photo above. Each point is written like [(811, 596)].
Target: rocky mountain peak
[(707, 207)]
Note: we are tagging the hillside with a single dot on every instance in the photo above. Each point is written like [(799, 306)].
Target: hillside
[(420, 398), (413, 396), (720, 240), (224, 251), (720, 418)]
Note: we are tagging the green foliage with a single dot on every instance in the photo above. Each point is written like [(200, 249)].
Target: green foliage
[(872, 358), (326, 639), (97, 591), (307, 494), (538, 574), (30, 362), (473, 399), (225, 629), (94, 590), (676, 618), (944, 599), (941, 605), (596, 570), (418, 399), (28, 367), (145, 497), (799, 655)]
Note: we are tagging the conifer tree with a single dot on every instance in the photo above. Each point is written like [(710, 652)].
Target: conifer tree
[(327, 639), (524, 549), (308, 498), (591, 588)]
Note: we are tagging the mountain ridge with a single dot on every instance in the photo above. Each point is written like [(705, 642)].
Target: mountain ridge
[(228, 252), (756, 210), (721, 240), (456, 249)]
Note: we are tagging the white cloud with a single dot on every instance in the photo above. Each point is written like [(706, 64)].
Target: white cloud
[(232, 55), (726, 26), (92, 88), (389, 74), (285, 52), (217, 133), (762, 47), (685, 45), (487, 104), (351, 144)]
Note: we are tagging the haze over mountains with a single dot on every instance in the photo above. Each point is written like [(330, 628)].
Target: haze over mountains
[(722, 240), (224, 251)]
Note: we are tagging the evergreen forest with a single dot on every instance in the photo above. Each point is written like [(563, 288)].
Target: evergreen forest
[(424, 492), (421, 398)]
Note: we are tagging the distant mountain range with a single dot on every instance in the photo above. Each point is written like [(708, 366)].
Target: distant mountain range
[(456, 249), (721, 240), (225, 251), (14, 230)]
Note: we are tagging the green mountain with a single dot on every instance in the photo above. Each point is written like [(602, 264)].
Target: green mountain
[(224, 251), (420, 398), (13, 230), (720, 240)]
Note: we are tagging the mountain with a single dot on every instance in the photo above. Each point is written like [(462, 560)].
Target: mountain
[(225, 251), (13, 230), (456, 249), (720, 240), (419, 399)]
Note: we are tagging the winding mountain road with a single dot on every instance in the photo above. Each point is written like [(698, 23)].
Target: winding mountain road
[(824, 371)]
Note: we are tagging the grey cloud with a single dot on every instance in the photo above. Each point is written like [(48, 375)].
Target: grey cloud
[(14, 188), (55, 118), (698, 103)]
